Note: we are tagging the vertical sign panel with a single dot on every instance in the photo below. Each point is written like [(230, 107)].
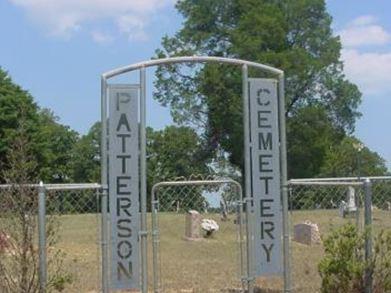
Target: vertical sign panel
[(124, 186), (265, 169)]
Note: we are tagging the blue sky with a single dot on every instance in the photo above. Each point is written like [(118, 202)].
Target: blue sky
[(57, 49)]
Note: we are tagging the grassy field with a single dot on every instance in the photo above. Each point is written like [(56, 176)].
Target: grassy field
[(210, 265)]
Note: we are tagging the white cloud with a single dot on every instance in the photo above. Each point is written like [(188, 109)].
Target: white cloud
[(364, 20), (101, 37), (133, 26), (371, 71), (364, 31), (65, 17)]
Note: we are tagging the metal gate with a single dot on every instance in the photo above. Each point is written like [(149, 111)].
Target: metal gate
[(207, 263)]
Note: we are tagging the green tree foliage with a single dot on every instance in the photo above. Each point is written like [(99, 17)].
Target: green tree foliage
[(19, 263), (15, 103), (50, 142), (293, 35), (173, 152), (310, 134), (54, 145), (85, 163), (344, 159)]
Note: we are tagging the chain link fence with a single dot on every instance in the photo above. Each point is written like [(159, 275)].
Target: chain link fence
[(330, 203), (77, 209), (68, 259), (188, 258), (211, 263)]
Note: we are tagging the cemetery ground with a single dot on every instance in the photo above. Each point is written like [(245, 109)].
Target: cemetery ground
[(209, 265)]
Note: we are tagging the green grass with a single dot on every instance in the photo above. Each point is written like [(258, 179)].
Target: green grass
[(211, 265)]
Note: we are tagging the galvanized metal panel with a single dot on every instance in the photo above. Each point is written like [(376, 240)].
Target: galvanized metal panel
[(124, 186), (265, 157)]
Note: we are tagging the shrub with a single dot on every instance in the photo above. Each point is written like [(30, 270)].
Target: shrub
[(344, 267)]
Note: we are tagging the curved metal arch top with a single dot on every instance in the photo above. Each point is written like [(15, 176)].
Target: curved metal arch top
[(201, 59), (141, 66)]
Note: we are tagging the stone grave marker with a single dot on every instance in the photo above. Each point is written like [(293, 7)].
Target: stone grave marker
[(192, 226), (306, 233), (349, 207)]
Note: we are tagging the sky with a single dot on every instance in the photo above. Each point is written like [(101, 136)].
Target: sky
[(57, 50)]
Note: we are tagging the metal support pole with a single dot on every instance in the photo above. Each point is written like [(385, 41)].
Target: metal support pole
[(143, 177), (42, 238), (104, 240), (368, 233), (284, 184), (155, 241), (240, 227), (247, 172), (358, 207), (104, 191)]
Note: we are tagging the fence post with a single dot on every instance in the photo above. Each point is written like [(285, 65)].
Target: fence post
[(368, 233), (155, 241), (286, 248), (143, 182), (104, 240), (42, 237)]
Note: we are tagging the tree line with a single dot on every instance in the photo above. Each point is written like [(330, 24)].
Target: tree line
[(205, 102)]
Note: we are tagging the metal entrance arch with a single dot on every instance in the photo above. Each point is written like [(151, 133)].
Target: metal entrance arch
[(278, 74)]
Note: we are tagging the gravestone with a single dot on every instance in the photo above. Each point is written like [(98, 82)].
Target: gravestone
[(306, 233), (192, 226), (349, 207)]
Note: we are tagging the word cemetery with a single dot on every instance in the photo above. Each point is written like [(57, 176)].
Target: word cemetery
[(266, 175)]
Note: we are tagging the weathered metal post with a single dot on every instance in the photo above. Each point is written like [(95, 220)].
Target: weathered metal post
[(247, 180), (155, 240), (368, 233), (143, 183), (42, 237), (104, 189), (284, 184)]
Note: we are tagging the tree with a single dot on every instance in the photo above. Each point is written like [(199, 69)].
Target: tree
[(293, 35), (85, 162), (12, 99), (50, 142), (173, 152), (344, 159), (19, 208), (53, 146), (310, 135)]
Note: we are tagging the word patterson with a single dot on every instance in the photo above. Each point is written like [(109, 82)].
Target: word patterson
[(123, 188)]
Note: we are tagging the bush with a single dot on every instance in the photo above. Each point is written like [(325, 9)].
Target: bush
[(19, 252), (343, 267)]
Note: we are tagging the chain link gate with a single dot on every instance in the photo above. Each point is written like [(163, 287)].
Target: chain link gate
[(206, 265)]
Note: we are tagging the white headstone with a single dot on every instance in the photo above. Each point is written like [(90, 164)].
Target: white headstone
[(348, 207)]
